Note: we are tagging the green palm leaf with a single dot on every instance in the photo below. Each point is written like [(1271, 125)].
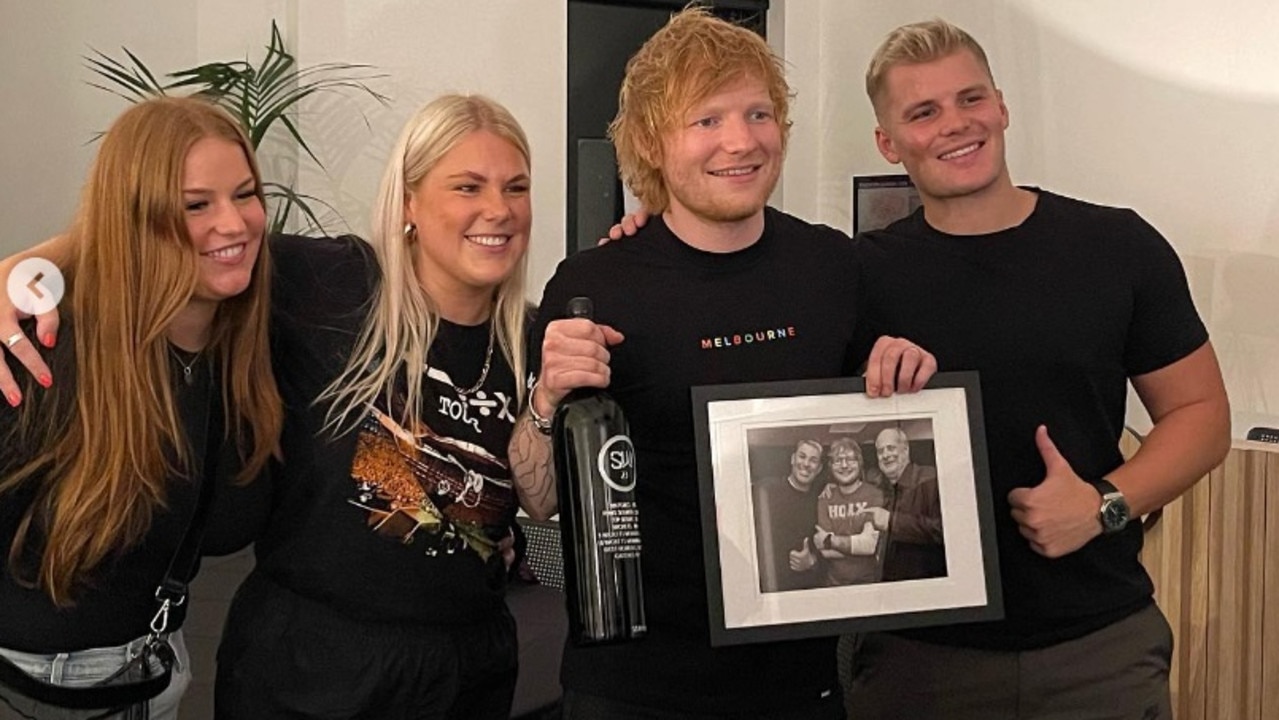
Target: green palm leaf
[(285, 200), (261, 97)]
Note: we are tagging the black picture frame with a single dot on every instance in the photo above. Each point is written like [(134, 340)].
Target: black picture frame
[(740, 431)]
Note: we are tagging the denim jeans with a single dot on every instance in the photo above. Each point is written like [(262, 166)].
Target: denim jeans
[(86, 667)]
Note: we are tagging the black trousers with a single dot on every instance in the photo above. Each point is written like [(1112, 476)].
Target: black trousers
[(286, 656), (589, 707)]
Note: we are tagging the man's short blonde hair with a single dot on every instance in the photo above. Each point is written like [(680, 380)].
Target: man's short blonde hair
[(918, 43), (692, 57)]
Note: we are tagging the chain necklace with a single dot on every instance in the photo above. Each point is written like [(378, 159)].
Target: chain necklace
[(484, 373), (188, 375)]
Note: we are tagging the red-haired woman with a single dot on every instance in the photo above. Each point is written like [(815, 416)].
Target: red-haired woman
[(163, 374)]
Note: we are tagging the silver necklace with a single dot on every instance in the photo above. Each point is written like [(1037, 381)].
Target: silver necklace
[(188, 375), (484, 373)]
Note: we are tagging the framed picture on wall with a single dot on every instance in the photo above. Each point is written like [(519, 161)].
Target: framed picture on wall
[(880, 200), (826, 512)]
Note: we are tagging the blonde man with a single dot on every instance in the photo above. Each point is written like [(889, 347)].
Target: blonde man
[(1058, 303), (784, 509), (718, 288)]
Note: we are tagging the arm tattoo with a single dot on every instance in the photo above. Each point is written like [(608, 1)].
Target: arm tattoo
[(530, 455)]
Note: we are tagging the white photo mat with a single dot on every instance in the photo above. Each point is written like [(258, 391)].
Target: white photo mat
[(970, 588)]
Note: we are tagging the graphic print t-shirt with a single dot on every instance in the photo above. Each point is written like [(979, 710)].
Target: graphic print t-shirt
[(436, 485), (387, 522), (848, 515)]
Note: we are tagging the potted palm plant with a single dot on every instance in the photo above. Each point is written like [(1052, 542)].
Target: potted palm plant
[(261, 96)]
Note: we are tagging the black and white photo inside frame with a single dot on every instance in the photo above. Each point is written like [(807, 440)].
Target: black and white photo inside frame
[(825, 511)]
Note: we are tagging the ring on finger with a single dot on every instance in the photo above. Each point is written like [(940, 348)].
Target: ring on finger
[(14, 339)]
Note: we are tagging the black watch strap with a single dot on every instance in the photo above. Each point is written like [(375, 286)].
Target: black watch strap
[(1104, 486), (1114, 513)]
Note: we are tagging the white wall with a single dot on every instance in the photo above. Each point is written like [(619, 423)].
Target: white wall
[(513, 50), (47, 115), (1170, 108)]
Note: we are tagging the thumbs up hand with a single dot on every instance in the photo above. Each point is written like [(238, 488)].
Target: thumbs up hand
[(866, 541), (803, 560), (1060, 514)]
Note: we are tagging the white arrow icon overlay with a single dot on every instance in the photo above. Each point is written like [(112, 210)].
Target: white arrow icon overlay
[(35, 286)]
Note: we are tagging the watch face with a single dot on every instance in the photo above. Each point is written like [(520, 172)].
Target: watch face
[(1114, 514)]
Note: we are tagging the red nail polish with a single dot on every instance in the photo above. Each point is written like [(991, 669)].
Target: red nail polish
[(13, 398), (45, 381), (49, 339)]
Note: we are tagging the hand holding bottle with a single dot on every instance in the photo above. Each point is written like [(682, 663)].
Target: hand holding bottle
[(574, 355), (595, 470)]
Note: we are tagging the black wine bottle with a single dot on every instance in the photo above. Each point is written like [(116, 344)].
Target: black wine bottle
[(599, 518)]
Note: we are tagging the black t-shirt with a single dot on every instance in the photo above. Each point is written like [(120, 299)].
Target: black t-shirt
[(118, 602), (385, 523), (781, 309), (1055, 314), (784, 518)]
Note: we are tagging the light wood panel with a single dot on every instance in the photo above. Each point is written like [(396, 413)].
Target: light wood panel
[(1214, 555), (1270, 617)]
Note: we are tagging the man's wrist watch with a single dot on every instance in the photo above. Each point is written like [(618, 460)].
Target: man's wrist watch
[(1114, 514), (543, 424)]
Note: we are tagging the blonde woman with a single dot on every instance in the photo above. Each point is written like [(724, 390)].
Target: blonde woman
[(164, 340), (378, 590)]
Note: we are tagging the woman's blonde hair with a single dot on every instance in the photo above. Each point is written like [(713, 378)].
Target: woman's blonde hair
[(689, 59), (403, 319), (104, 470)]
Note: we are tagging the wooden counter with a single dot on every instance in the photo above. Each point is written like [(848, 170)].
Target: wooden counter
[(1214, 556)]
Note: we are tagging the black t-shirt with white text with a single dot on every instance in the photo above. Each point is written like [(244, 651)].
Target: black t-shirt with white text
[(781, 309), (385, 523)]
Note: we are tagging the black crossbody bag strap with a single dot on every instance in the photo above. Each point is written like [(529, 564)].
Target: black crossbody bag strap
[(171, 593)]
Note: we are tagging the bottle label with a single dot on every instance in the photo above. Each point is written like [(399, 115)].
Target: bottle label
[(621, 538), (617, 463)]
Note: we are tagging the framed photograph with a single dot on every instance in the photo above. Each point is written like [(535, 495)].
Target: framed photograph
[(880, 200), (827, 512)]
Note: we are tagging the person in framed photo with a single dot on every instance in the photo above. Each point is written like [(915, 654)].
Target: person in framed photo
[(911, 516), (845, 535), (1058, 304), (784, 511)]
